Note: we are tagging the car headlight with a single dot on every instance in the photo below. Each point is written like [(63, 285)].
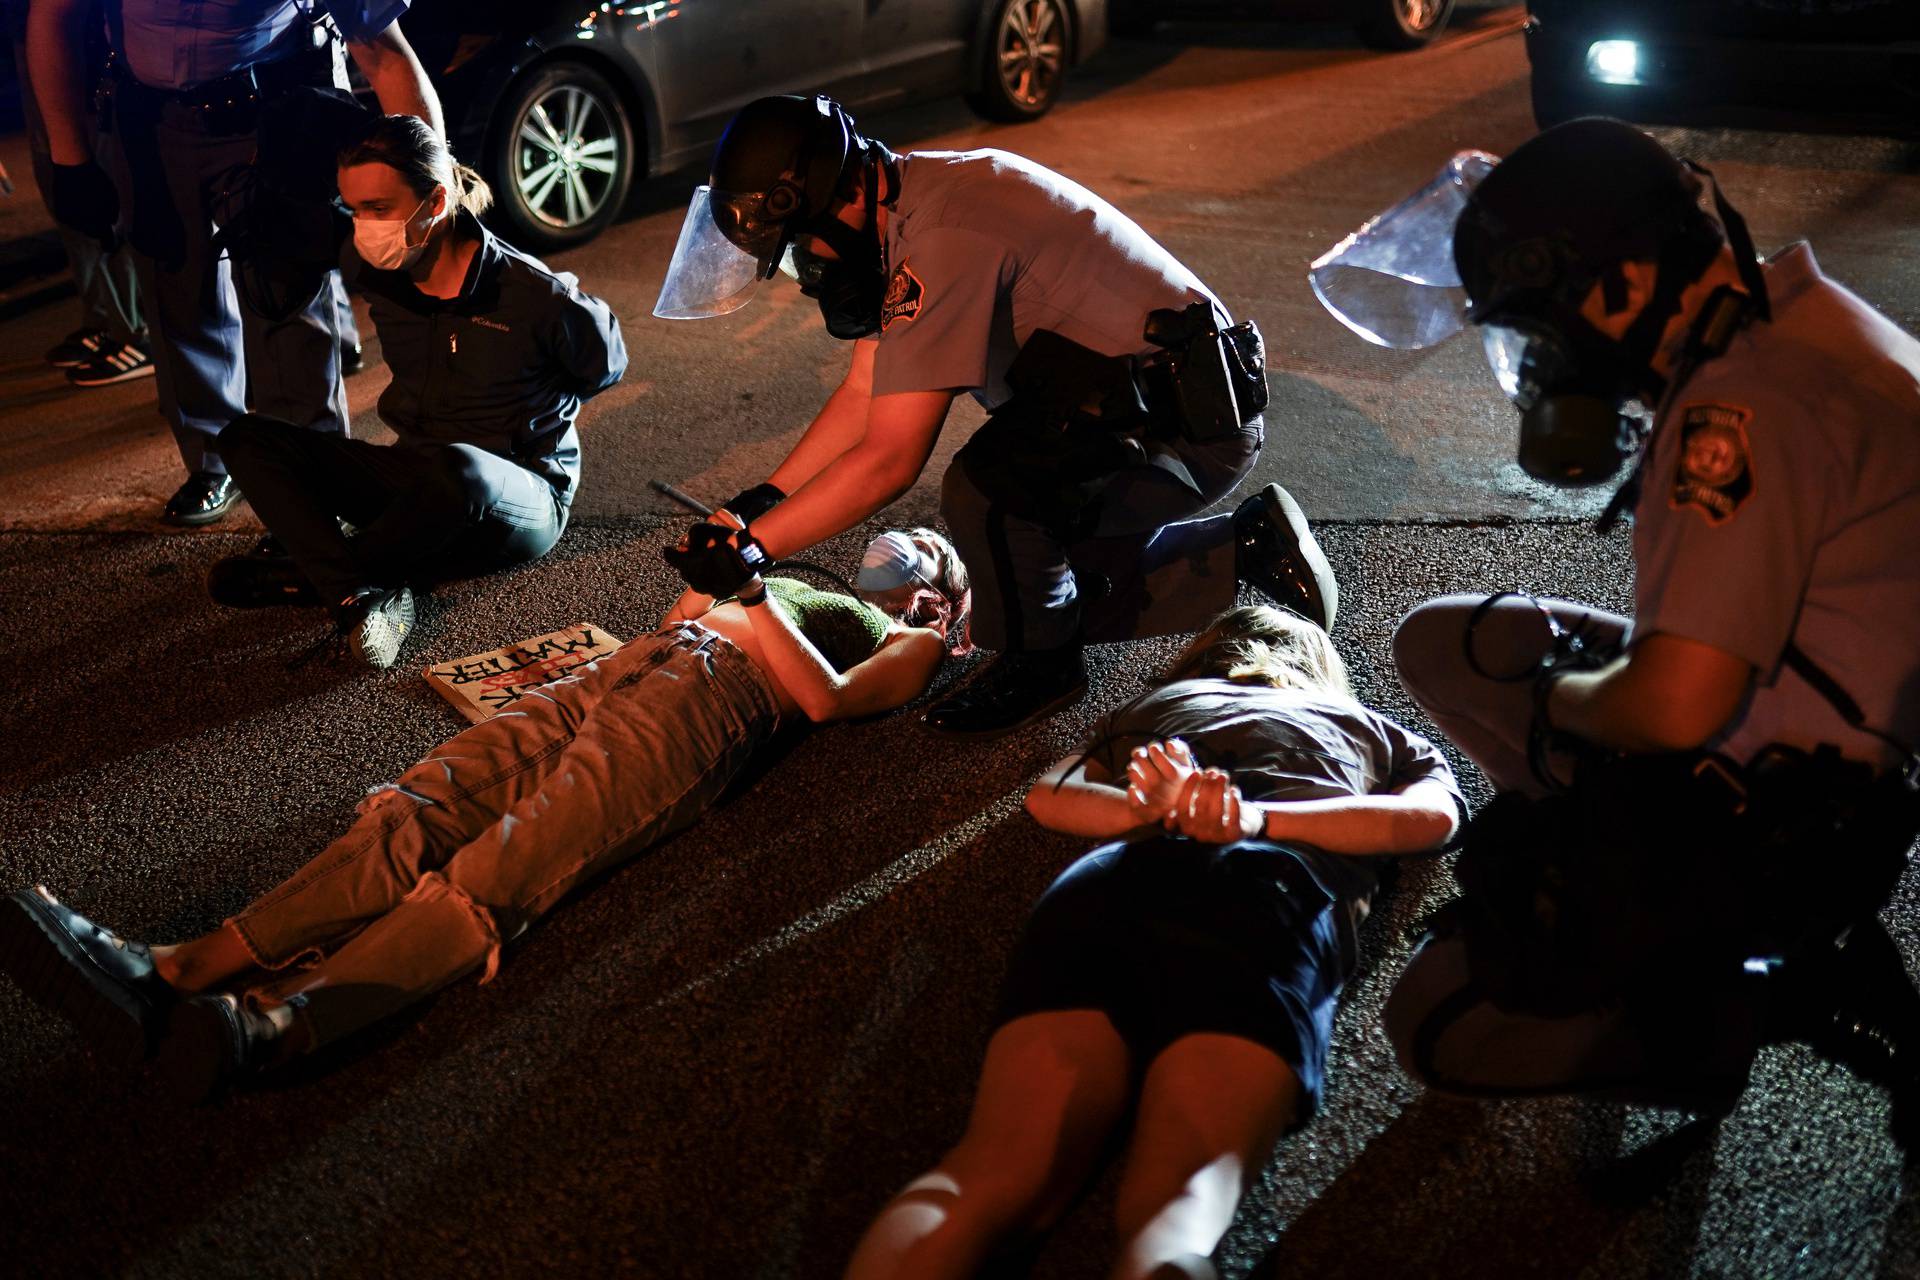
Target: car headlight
[(1614, 61)]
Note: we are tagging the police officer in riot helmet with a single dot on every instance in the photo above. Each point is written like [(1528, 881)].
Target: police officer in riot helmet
[(1771, 420), (1124, 402)]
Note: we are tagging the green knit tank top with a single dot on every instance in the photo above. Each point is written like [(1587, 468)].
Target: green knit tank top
[(846, 631)]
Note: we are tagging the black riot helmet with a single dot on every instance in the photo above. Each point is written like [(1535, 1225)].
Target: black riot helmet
[(779, 170), (779, 167), (1561, 215)]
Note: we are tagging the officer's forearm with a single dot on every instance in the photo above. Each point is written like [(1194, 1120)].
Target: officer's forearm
[(56, 32), (1664, 694), (850, 489), (397, 78), (840, 425)]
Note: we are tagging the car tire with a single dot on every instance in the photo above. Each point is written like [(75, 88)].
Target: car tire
[(563, 157), (1402, 24), (1023, 60)]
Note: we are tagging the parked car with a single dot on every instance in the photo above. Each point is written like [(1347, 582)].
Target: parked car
[(1384, 24), (1803, 64), (562, 104)]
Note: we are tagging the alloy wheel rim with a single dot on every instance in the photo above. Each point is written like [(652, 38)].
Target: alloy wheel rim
[(1030, 51), (566, 156), (1420, 14)]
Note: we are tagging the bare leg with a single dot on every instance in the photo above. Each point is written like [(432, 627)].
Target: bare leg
[(204, 962), (1052, 1088), (1211, 1108)]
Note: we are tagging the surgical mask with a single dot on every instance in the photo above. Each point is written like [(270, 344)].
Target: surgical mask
[(382, 243), (891, 561)]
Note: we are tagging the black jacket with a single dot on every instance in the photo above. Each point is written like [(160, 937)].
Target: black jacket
[(503, 366)]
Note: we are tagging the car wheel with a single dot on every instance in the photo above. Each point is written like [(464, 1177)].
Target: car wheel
[(563, 156), (1402, 24), (1026, 60)]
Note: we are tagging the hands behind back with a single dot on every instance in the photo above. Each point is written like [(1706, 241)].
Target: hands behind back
[(1166, 785), (1156, 773), (1211, 808)]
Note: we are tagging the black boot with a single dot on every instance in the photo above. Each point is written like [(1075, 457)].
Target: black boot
[(1275, 553), (1015, 689)]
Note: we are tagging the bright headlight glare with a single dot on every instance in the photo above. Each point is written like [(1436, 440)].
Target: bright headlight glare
[(1614, 61)]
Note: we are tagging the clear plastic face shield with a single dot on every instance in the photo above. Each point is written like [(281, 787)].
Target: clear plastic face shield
[(1393, 281), (711, 273)]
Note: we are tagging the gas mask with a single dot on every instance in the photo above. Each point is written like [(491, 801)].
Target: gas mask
[(1579, 396), (849, 288)]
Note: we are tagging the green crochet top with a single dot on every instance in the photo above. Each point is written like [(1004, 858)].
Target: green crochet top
[(846, 631)]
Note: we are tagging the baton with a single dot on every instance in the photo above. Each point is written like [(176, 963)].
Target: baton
[(682, 497)]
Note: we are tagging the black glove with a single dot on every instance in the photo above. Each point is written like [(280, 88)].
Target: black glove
[(84, 198), (710, 562), (750, 504)]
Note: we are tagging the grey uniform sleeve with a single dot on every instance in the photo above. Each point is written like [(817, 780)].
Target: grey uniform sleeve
[(582, 336), (1727, 526), (937, 322), (361, 20)]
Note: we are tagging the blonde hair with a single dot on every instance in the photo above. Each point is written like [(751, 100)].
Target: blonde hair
[(409, 146), (1259, 644)]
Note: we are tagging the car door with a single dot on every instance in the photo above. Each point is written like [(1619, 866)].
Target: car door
[(918, 48), (709, 58)]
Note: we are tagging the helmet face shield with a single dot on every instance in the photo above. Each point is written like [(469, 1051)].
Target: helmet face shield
[(1394, 281), (710, 274)]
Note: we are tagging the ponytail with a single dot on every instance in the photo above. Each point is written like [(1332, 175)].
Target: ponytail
[(470, 190)]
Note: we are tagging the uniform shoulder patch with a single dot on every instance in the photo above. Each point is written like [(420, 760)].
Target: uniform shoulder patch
[(1715, 471), (904, 295)]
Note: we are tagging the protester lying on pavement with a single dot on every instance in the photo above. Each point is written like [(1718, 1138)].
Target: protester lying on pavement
[(469, 847), (492, 355), (1197, 968)]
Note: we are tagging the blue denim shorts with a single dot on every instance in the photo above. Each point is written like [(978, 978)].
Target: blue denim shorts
[(1169, 937)]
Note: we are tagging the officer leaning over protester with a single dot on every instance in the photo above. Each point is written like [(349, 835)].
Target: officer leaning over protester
[(492, 355), (186, 91), (1738, 807), (1122, 397)]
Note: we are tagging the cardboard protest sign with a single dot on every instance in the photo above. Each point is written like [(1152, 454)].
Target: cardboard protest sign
[(484, 683)]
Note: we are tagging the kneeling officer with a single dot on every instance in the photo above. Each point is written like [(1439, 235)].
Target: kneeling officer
[(1123, 399)]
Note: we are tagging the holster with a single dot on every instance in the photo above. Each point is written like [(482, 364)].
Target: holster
[(1206, 382)]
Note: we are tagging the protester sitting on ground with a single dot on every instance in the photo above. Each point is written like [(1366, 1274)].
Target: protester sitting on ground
[(1197, 967), (466, 849), (492, 355)]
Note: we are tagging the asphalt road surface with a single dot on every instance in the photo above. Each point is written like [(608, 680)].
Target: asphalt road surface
[(724, 1057)]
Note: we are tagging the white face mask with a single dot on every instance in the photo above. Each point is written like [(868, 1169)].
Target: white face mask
[(382, 244)]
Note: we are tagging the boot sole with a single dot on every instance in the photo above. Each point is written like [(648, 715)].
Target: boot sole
[(38, 955), (1309, 548), (193, 520)]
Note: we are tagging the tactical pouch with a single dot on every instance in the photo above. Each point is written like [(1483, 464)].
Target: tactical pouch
[(1214, 379)]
